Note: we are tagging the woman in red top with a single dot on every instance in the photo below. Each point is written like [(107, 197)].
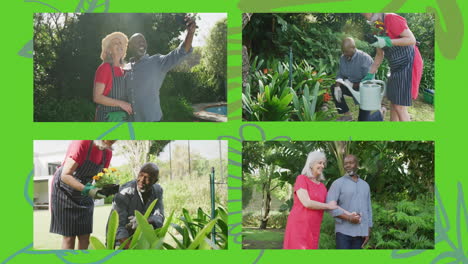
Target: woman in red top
[(406, 64), (109, 86), (305, 218), (72, 194)]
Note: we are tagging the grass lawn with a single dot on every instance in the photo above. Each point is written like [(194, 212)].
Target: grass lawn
[(420, 111), (254, 238), (43, 239)]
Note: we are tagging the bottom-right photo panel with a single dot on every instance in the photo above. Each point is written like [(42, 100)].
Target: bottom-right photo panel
[(338, 195)]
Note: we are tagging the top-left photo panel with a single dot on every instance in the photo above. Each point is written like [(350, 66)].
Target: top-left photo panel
[(115, 67)]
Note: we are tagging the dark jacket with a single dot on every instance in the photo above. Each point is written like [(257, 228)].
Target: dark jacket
[(127, 200)]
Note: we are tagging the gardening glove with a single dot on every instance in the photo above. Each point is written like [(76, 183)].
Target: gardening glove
[(338, 94), (92, 191), (132, 222), (117, 116), (382, 42), (369, 76)]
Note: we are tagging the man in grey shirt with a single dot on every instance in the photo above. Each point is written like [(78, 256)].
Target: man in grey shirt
[(147, 74), (352, 194), (355, 66)]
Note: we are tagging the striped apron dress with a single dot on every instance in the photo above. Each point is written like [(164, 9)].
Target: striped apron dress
[(399, 83), (118, 92), (72, 213)]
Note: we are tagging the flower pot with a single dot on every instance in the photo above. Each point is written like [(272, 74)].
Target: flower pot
[(110, 189)]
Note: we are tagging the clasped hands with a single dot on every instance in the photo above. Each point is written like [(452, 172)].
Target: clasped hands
[(353, 218)]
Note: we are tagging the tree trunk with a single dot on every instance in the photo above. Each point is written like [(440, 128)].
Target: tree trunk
[(266, 204)]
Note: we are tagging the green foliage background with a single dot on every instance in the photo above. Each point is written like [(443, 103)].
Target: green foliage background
[(18, 129)]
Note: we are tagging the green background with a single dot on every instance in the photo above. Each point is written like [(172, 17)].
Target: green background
[(447, 131)]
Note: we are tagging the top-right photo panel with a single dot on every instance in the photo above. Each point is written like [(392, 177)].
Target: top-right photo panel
[(338, 67)]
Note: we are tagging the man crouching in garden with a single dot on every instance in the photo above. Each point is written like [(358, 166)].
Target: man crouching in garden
[(138, 195), (355, 66)]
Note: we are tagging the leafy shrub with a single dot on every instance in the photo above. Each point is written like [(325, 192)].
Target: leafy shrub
[(269, 96), (196, 232), (396, 225), (54, 109), (428, 76), (176, 109)]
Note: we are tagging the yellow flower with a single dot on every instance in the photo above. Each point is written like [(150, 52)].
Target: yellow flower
[(113, 169), (105, 170), (100, 174), (96, 178)]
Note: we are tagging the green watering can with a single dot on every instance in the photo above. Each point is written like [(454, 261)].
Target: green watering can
[(370, 93)]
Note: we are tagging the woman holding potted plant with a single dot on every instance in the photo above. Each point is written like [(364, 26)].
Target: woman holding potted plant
[(72, 194)]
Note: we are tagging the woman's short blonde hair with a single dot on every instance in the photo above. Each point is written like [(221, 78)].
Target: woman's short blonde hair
[(106, 43), (312, 158), (101, 145)]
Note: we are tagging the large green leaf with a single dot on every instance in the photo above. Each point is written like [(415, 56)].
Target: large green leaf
[(179, 243), (150, 208), (161, 232), (314, 98), (147, 231), (136, 236), (112, 226), (188, 223), (202, 234), (95, 243)]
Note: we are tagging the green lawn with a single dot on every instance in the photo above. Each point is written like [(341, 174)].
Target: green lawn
[(254, 238), (190, 194), (43, 239), (420, 111)]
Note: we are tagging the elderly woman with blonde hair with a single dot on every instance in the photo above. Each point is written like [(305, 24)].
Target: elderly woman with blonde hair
[(305, 218), (109, 91)]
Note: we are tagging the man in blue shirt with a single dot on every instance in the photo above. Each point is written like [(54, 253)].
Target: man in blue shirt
[(352, 194), (147, 74), (355, 66)]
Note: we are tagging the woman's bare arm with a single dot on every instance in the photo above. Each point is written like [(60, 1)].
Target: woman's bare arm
[(406, 39), (100, 98), (379, 56), (303, 196), (67, 174)]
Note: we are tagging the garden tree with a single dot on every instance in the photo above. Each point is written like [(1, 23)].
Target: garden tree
[(180, 163), (190, 61), (213, 64), (139, 152), (263, 174), (214, 57)]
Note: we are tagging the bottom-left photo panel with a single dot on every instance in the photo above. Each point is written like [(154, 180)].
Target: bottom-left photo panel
[(130, 194)]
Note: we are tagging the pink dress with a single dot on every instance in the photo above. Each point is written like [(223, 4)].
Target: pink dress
[(303, 227)]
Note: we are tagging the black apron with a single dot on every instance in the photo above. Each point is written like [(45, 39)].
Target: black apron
[(72, 212), (399, 83), (117, 92)]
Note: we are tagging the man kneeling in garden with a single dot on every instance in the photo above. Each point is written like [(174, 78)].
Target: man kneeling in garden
[(138, 195), (355, 66)]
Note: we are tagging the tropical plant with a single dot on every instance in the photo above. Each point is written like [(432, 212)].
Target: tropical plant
[(201, 232), (196, 232), (145, 237), (269, 92)]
